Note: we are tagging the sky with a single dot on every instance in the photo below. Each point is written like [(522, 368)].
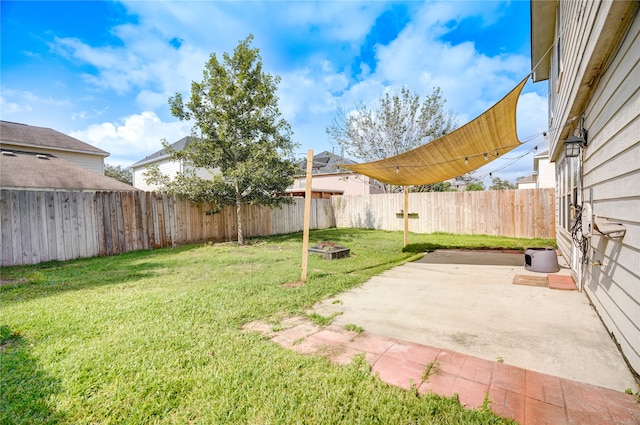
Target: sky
[(103, 71)]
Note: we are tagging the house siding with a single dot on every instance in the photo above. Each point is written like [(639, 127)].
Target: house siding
[(610, 174), (546, 174), (351, 184), (611, 180), (203, 173), (167, 167), (94, 163), (530, 185)]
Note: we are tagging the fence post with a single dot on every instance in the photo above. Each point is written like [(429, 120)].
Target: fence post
[(307, 208)]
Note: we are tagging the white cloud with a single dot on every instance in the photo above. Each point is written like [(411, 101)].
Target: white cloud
[(137, 136), (311, 45), (21, 101), (470, 81), (8, 107), (531, 116)]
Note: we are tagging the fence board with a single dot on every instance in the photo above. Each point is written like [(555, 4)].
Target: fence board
[(89, 228), (81, 235), (5, 228), (101, 236), (16, 235), (25, 228), (41, 217)]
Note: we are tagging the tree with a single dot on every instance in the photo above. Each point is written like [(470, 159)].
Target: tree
[(475, 186), (238, 135), (398, 123), (118, 172), (498, 184), (434, 187), (469, 181)]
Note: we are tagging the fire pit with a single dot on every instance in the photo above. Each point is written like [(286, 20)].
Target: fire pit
[(330, 250)]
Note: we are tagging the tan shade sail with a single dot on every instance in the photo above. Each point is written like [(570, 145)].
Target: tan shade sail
[(468, 148)]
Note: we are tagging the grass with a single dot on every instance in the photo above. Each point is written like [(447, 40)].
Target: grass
[(433, 241), (353, 328), (154, 337), (433, 368)]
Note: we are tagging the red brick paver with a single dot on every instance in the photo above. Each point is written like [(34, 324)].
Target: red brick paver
[(527, 397), (559, 281)]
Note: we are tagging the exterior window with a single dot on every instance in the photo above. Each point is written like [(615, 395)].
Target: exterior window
[(567, 191)]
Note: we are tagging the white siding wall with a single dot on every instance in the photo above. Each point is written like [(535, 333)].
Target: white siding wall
[(581, 22), (611, 175), (352, 184), (546, 174), (610, 168), (94, 163), (204, 173), (166, 167), (529, 185)]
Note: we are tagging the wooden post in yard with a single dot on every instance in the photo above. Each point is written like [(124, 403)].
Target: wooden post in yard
[(406, 215), (307, 217)]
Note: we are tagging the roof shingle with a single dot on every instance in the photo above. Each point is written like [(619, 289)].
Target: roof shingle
[(30, 170), (31, 136)]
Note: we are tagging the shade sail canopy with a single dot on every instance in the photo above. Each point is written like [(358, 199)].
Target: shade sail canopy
[(468, 148)]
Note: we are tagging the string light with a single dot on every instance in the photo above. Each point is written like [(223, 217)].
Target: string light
[(466, 161), (486, 156), (397, 169)]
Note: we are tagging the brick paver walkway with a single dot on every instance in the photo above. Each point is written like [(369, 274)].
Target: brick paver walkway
[(526, 396)]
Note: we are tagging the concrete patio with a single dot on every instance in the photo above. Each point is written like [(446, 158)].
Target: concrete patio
[(463, 301), (540, 355)]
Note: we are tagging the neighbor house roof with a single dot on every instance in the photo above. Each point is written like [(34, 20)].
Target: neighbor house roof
[(30, 136), (162, 154), (526, 179), (327, 163), (31, 170)]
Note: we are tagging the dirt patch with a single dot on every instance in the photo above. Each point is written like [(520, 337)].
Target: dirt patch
[(4, 282), (296, 284)]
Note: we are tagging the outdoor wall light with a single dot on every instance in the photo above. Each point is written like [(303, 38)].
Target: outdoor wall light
[(573, 145)]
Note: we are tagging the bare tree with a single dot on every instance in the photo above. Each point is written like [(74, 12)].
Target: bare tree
[(397, 123)]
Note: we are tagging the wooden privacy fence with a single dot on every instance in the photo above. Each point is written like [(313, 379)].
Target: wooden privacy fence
[(524, 213), (39, 226)]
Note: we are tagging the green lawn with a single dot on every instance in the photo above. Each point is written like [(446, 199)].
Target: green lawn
[(154, 337)]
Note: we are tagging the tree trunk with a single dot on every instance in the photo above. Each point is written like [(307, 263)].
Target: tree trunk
[(239, 214)]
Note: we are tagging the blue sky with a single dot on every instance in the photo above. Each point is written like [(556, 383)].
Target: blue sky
[(102, 71)]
